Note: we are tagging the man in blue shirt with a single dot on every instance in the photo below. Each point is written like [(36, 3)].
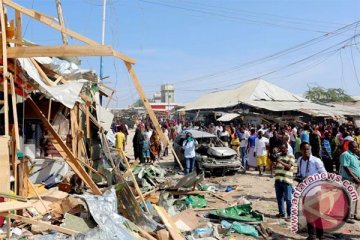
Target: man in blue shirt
[(304, 136), (350, 170)]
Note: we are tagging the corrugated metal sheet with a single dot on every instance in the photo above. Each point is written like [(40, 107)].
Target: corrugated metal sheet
[(227, 117), (264, 95)]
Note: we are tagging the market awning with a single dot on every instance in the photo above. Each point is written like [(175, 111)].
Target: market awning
[(228, 117)]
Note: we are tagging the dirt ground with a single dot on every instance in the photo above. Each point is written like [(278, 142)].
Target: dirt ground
[(259, 190)]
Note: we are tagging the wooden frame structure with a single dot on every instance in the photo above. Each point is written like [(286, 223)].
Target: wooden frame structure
[(23, 50), (93, 49)]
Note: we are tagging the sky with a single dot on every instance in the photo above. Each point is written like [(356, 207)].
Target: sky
[(204, 46)]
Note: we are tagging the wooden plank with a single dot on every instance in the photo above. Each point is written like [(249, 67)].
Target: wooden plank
[(61, 21), (42, 18), (41, 223), (4, 164), (87, 119), (122, 154), (151, 111), (15, 116), (71, 160), (42, 73), (59, 51), (14, 205), (14, 160), (18, 26), (49, 110), (5, 67), (16, 197), (74, 128), (170, 225), (37, 194)]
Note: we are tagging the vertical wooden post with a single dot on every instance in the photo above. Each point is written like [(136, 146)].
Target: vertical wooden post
[(49, 110), (61, 21), (18, 27), (5, 67), (74, 129), (150, 111), (15, 116)]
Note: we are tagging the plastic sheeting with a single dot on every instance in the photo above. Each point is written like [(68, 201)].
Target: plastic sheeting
[(104, 211), (196, 201), (66, 68), (67, 93), (242, 213)]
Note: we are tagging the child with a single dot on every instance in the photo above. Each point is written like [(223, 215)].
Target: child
[(146, 150)]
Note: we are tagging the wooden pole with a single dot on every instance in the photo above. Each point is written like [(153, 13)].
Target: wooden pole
[(61, 21), (150, 111), (49, 110), (5, 67), (18, 27), (15, 116), (37, 194), (37, 222)]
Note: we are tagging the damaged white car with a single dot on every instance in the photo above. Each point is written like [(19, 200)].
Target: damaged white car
[(211, 154)]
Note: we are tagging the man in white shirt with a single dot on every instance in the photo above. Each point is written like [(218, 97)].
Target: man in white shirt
[(189, 146), (243, 135), (309, 165), (261, 152)]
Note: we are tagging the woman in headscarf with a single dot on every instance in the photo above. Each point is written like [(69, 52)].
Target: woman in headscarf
[(138, 142)]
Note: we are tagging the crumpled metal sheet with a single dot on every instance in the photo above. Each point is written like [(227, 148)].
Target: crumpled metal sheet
[(189, 180), (67, 93), (69, 69), (104, 211)]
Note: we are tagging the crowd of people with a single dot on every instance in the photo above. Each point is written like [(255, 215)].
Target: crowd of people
[(276, 148)]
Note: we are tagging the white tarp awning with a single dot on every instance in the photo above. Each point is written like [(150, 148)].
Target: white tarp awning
[(67, 93), (228, 117)]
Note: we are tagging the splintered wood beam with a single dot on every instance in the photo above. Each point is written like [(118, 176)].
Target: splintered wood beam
[(71, 160), (18, 27), (59, 51), (38, 222), (45, 19), (15, 116), (151, 111)]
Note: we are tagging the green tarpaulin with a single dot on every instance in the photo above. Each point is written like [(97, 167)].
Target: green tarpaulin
[(196, 201), (244, 229), (242, 213)]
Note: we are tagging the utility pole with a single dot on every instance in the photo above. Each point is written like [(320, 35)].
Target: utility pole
[(103, 36), (61, 21), (102, 42)]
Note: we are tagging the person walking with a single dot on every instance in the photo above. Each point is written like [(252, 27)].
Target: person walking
[(120, 138), (243, 136), (251, 147), (309, 165), (138, 143), (261, 153), (284, 163), (189, 146)]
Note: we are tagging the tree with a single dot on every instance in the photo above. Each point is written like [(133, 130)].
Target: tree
[(138, 103), (326, 95)]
